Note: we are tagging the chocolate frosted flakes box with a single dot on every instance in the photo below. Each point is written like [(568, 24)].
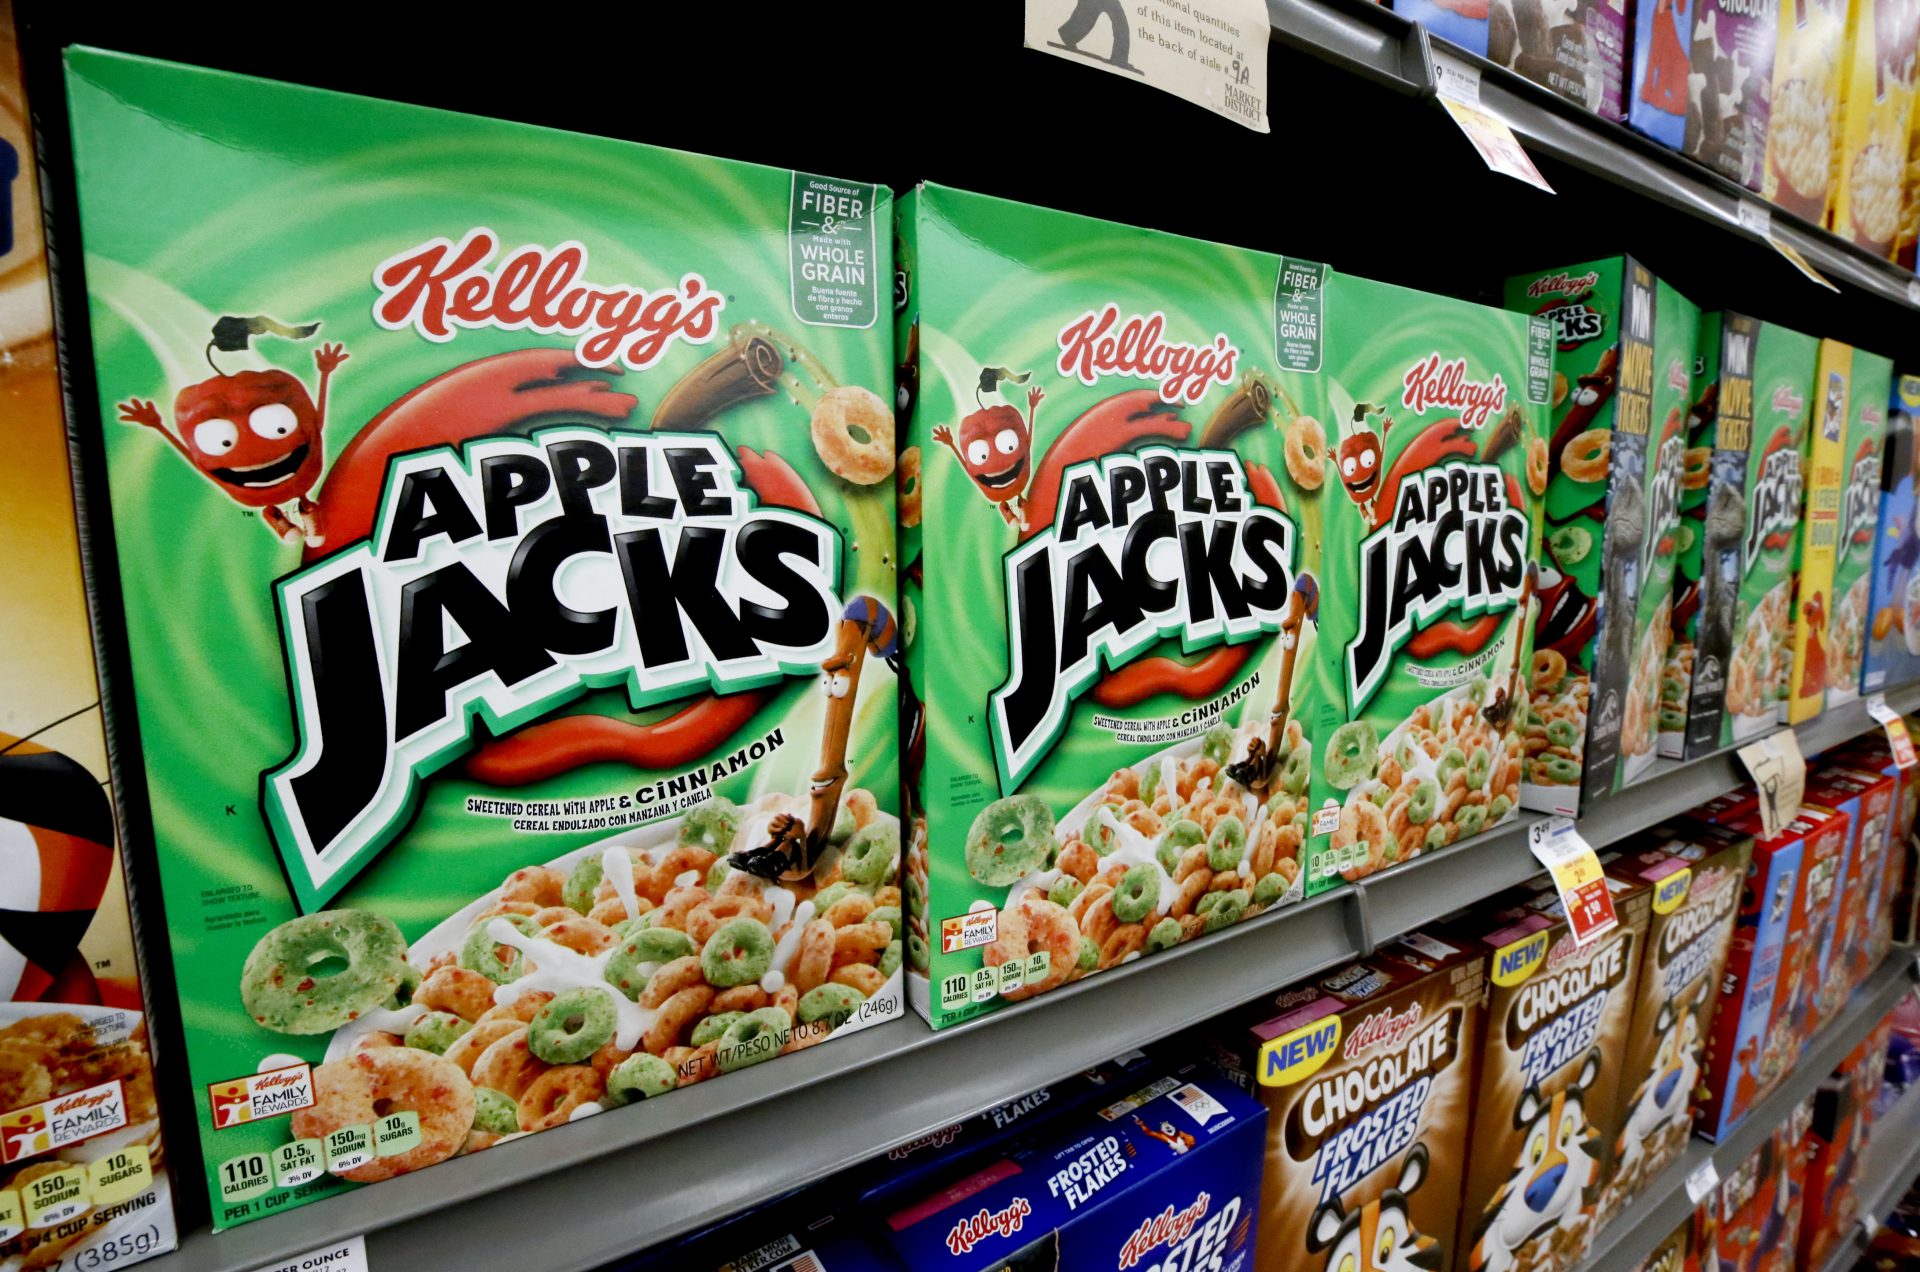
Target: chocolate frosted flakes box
[(1427, 509), (1862, 458), (1108, 590), (504, 523)]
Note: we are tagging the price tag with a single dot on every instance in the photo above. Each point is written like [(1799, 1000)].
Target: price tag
[(1213, 53), (1755, 218), (1870, 1224), (1576, 872), (1781, 774), (346, 1255), (1897, 736), (1913, 292), (1459, 88), (1456, 80), (1702, 1180)]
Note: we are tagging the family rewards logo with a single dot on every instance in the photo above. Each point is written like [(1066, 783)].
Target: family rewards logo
[(67, 1119)]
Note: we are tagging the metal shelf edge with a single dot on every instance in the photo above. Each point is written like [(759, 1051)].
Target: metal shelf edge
[(1887, 1168)]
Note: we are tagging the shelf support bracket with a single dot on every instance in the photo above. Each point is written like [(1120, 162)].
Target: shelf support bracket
[(1360, 921)]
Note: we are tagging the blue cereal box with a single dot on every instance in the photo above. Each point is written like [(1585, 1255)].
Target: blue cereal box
[(1166, 1178), (1893, 639)]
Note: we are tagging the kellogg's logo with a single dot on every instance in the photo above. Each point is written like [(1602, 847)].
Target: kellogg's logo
[(1562, 284), (1166, 1228), (1100, 344), (1382, 1029), (1432, 383), (438, 287), (1787, 401), (974, 1229)]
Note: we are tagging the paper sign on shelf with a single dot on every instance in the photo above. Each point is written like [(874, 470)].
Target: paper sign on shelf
[(1780, 772), (1702, 1180), (1213, 53), (1459, 88), (1756, 218), (1576, 872), (347, 1255), (1897, 736)]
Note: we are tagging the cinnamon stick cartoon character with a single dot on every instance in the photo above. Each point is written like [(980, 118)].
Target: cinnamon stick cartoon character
[(1255, 772), (254, 434), (995, 446), (1176, 1140), (794, 846)]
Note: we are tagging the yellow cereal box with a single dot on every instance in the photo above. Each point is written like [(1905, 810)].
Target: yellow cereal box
[(1806, 93), (1876, 88), (1819, 524)]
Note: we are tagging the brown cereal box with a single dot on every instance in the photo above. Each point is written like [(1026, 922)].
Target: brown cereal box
[(1367, 1074), (1876, 95), (1806, 106)]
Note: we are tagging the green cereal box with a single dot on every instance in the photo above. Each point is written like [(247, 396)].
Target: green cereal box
[(1428, 514), (504, 523), (1107, 592), (1694, 649), (1624, 352), (1862, 455)]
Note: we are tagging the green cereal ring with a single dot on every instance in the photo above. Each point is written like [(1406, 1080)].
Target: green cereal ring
[(481, 953), (577, 892), (1684, 539), (757, 1036), (831, 1000), (1452, 760), (1380, 795), (1064, 890), (1351, 752), (717, 874), (1570, 544), (410, 979), (1390, 853), (1300, 823), (1421, 803), (1231, 908), (871, 850), (572, 1026), (435, 1031), (1137, 893), (1217, 743), (1150, 781), (1269, 888), (1477, 691), (495, 1111), (888, 914), (1563, 733), (1227, 844), (1009, 838), (740, 952), (843, 826), (1164, 936), (1497, 807), (712, 825), (1479, 767), (890, 958), (647, 946), (1470, 820), (1089, 955), (1437, 835), (917, 952), (1207, 902), (1672, 720), (285, 984), (823, 900), (638, 1077), (1561, 770), (713, 1026), (1296, 771), (1177, 838)]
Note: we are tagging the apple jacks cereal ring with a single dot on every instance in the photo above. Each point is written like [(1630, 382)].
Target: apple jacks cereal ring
[(435, 1031), (494, 1113), (640, 1077), (471, 1045), (572, 1027), (907, 486), (541, 885), (582, 883), (704, 920), (1351, 751), (865, 977), (1549, 668), (1537, 465), (1584, 458), (739, 953), (369, 1085), (853, 433), (581, 935), (755, 1037), (1037, 926), (466, 994), (1010, 838), (509, 1065), (1699, 463), (555, 1094), (1306, 452), (830, 1001), (813, 957), (285, 990), (871, 853), (1570, 544), (711, 826), (678, 1014), (499, 963)]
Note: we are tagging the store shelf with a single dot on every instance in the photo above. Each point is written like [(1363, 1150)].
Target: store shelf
[(1887, 1168), (1663, 1205), (1379, 45), (579, 1195)]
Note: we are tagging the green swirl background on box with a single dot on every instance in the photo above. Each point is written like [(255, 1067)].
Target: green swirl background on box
[(203, 194), (993, 284), (1375, 333)]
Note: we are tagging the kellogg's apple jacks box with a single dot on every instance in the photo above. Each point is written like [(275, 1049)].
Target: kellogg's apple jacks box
[(1108, 591), (1426, 504), (505, 530), (1863, 458), (1893, 636), (1613, 462), (1367, 1074)]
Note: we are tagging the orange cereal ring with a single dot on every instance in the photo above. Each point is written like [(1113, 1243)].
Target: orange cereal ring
[(1586, 456), (1034, 926), (1549, 668), (613, 910), (1192, 888), (741, 998), (1098, 920), (705, 919), (852, 908), (540, 885), (502, 908), (863, 937), (861, 806), (509, 1066), (677, 1015), (1537, 465), (1128, 938), (813, 957), (1559, 389), (608, 1058), (1699, 463), (467, 994), (369, 1085), (547, 916), (521, 1010), (671, 979), (552, 1098), (862, 976), (582, 935), (1082, 903), (853, 434), (1306, 452), (467, 1049), (906, 480)]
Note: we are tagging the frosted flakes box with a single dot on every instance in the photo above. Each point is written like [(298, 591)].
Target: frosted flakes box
[(1551, 1064), (1876, 110), (83, 1161), (1893, 633), (1163, 1179), (1804, 121), (1577, 48), (1425, 500), (550, 636), (1614, 461), (1862, 460), (1730, 87), (1107, 591), (1826, 469), (1696, 873), (1367, 1074)]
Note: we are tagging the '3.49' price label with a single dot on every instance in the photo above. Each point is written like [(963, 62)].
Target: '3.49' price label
[(1577, 876)]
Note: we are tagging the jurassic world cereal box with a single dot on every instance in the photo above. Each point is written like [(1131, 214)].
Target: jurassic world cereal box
[(1164, 1178), (1367, 1074), (1429, 522), (1862, 458), (1893, 632), (527, 529), (83, 1179), (1876, 107), (1805, 112), (1107, 591), (1730, 87), (1826, 469), (1553, 1041), (1577, 48), (1696, 873), (1625, 345)]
